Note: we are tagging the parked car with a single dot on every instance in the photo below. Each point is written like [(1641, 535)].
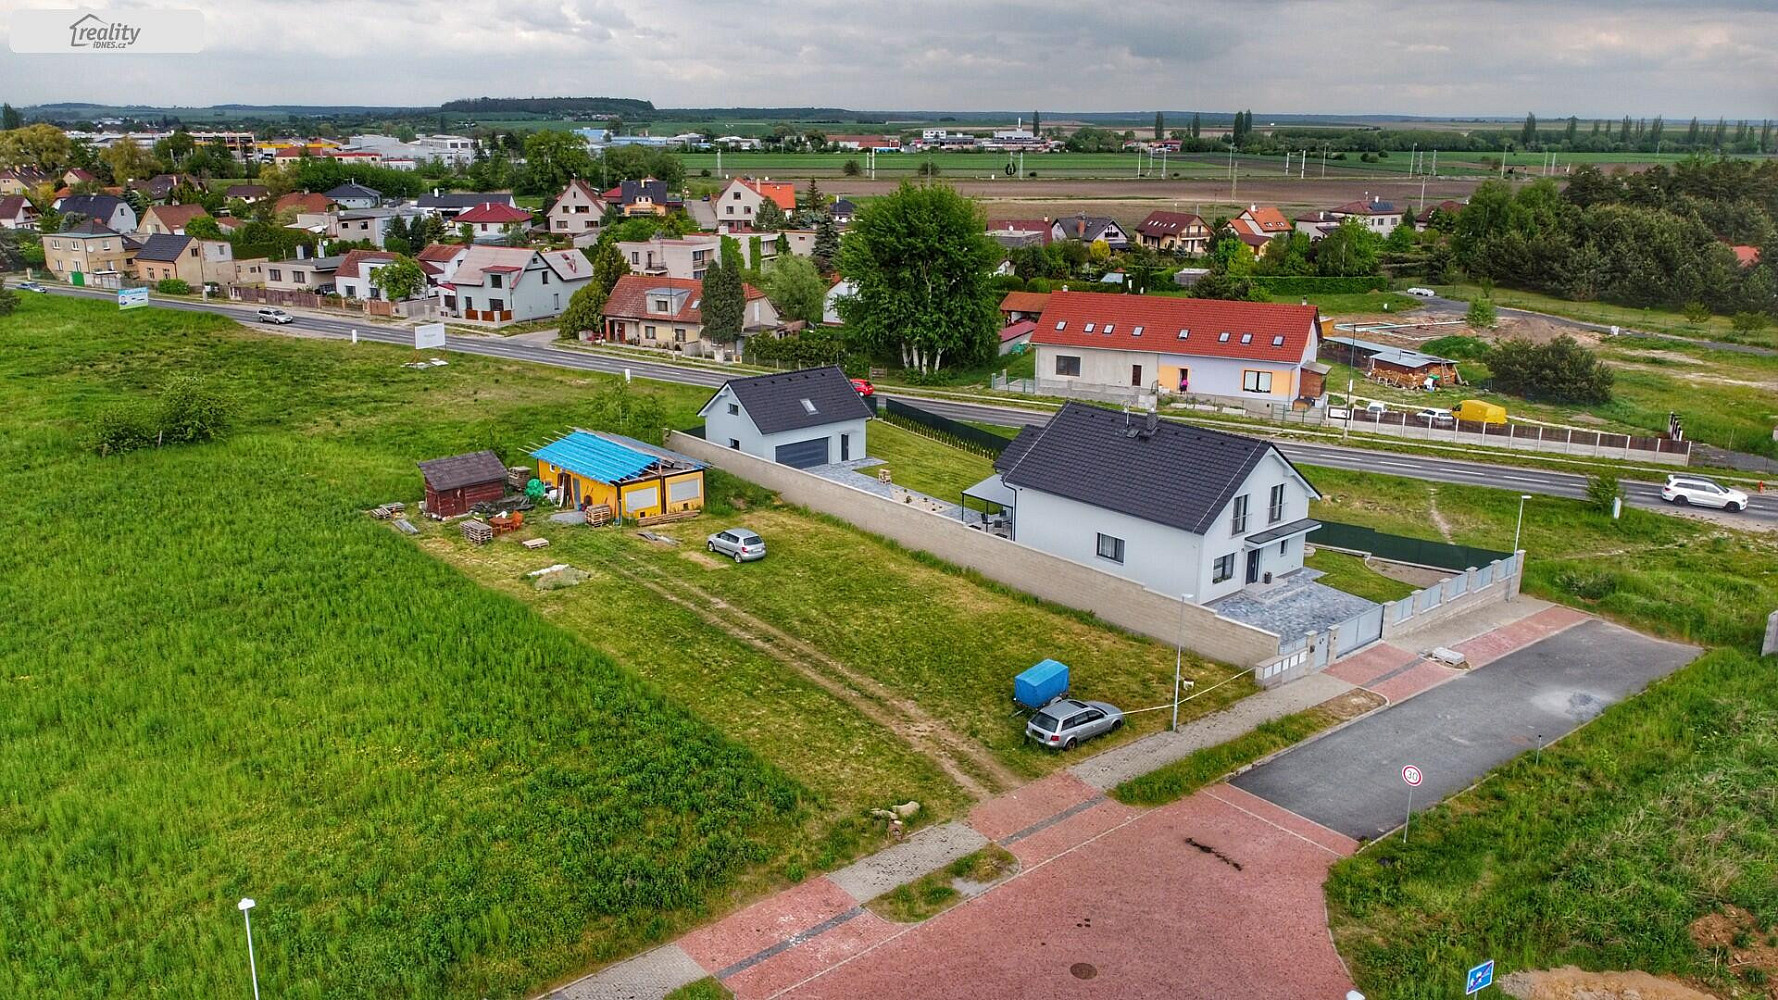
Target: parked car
[(277, 316), (1424, 293), (1375, 409), (1703, 492), (864, 387), (1063, 723), (744, 545), (32, 286), (1436, 417)]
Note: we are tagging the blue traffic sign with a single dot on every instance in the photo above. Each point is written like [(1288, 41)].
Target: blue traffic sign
[(1480, 978)]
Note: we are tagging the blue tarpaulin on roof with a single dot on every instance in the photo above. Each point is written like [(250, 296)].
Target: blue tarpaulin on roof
[(594, 457)]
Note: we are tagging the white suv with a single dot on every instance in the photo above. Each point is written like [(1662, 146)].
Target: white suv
[(1703, 492)]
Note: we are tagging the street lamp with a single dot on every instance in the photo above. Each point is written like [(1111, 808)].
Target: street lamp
[(1179, 657), (252, 969), (1521, 523)]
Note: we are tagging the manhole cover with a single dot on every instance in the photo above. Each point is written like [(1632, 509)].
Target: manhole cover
[(1083, 970)]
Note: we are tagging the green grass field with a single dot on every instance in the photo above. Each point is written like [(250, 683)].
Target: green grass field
[(1599, 852), (1607, 314), (922, 464), (1350, 574)]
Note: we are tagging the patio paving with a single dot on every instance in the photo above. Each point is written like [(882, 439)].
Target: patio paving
[(1294, 607), (847, 472)]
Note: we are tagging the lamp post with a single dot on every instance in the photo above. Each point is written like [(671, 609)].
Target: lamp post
[(244, 906), (1521, 523), (1179, 657)]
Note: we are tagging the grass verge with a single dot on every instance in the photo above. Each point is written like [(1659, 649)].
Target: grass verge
[(936, 892), (1352, 575), (704, 989), (1207, 766), (1601, 853)]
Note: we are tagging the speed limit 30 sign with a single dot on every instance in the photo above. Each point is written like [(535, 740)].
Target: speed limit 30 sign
[(1411, 774)]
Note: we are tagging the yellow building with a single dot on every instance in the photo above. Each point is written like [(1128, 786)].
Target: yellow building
[(633, 479)]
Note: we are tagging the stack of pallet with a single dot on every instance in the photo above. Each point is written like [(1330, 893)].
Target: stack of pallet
[(596, 516), (478, 532)]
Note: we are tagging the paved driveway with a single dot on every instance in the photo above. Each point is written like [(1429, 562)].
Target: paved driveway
[(1351, 781)]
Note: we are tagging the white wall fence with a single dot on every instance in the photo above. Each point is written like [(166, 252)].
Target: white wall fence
[(1454, 595)]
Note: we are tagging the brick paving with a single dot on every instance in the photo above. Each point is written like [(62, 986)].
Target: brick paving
[(1491, 646)]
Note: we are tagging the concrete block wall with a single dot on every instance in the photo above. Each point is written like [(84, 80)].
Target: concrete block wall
[(1114, 599)]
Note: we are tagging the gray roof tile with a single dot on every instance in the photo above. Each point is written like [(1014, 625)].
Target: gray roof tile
[(775, 402)]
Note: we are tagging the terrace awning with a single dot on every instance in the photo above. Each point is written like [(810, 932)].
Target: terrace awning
[(992, 490), (1299, 527)]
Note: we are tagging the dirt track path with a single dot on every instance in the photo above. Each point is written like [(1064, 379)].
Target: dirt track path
[(970, 765)]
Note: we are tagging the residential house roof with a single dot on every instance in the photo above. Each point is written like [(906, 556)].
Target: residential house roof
[(1746, 256), (88, 227), (569, 265), (1254, 331), (1039, 226), (229, 222), (576, 184), (1169, 223), (302, 202), (439, 253), (163, 247), (463, 199), (175, 216), (842, 206), (481, 258), (1257, 241), (1013, 331), (782, 192), (1361, 207), (629, 297), (1030, 302), (161, 185), (1447, 206), (93, 206), (789, 401), (353, 189), (14, 205), (1174, 474), (494, 213), (24, 175), (352, 265), (1263, 219), (246, 192), (76, 175), (647, 189), (458, 471), (1086, 228)]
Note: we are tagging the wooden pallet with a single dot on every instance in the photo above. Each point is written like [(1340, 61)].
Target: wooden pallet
[(596, 516), (478, 532)]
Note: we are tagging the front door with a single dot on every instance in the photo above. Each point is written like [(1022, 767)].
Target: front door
[(845, 447), (1252, 565)]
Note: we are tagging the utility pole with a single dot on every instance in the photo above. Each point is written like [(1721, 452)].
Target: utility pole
[(1324, 161), (1412, 154), (1303, 169), (1435, 163)]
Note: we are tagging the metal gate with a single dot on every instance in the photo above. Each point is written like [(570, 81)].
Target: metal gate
[(802, 454), (1361, 630)]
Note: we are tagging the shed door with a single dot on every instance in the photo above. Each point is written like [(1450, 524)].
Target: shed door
[(803, 454)]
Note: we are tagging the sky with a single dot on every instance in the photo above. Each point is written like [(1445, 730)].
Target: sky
[(1593, 58)]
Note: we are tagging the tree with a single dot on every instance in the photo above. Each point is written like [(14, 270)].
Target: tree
[(725, 305), (811, 201), (10, 118), (586, 308), (127, 161), (1160, 127), (795, 287), (191, 411), (41, 147), (921, 259), (771, 218), (1528, 134), (1481, 314), (1197, 124), (204, 227), (629, 411), (1560, 371), (1401, 238), (1603, 492), (1036, 123), (827, 244), (399, 279), (850, 168), (553, 158), (9, 299), (1349, 250)]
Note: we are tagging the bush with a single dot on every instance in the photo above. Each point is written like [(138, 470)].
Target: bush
[(1481, 314), (928, 169), (1751, 322), (1561, 371), (851, 168), (1038, 285), (173, 286), (1602, 491), (1458, 348), (704, 172), (1696, 313), (122, 429), (1008, 282), (9, 299), (191, 411), (1290, 284)]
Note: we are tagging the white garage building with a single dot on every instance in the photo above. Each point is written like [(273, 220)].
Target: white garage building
[(803, 418)]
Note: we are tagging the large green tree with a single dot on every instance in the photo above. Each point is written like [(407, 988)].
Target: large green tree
[(827, 244), (400, 279), (1560, 371), (795, 287), (724, 304), (1349, 250), (922, 261), (553, 157)]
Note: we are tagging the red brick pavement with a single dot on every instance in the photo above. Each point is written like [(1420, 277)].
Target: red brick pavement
[(1491, 646)]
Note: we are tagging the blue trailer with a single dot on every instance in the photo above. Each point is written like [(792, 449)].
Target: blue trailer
[(1041, 684)]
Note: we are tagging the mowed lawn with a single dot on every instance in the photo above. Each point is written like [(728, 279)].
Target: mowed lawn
[(220, 679)]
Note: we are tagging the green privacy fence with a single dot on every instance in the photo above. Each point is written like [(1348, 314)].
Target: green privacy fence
[(951, 432), (1401, 548)]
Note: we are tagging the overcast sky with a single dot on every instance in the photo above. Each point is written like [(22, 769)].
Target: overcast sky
[(1594, 58)]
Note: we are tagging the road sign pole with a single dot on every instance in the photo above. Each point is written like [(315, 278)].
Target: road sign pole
[(1408, 820)]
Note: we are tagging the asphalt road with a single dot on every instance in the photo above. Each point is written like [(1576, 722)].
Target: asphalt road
[(1444, 470), (1351, 780)]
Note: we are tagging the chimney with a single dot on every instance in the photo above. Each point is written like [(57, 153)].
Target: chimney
[(1151, 424)]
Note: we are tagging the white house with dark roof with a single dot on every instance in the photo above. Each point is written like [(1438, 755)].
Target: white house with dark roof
[(1180, 509), (1090, 229), (355, 195), (802, 418)]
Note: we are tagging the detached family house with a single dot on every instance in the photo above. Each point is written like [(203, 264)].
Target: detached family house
[(1180, 509), (578, 213), (1120, 346), (800, 419), (501, 285), (107, 210), (17, 212), (658, 311), (1174, 232), (739, 203)]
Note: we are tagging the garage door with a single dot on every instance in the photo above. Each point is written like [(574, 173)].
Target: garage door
[(802, 454)]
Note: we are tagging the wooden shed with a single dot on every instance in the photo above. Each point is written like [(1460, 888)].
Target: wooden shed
[(457, 483), (630, 478)]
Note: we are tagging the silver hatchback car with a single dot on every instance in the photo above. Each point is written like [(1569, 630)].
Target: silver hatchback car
[(1065, 722), (744, 545)]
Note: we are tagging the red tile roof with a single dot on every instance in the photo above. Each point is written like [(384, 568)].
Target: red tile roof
[(779, 191), (629, 298), (176, 216), (1013, 331), (350, 266), (494, 213), (1030, 302), (1746, 256), (13, 205), (440, 252), (1169, 223), (1154, 323), (1265, 219), (297, 201)]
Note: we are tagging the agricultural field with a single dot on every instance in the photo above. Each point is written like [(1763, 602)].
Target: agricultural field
[(223, 680), (1607, 314)]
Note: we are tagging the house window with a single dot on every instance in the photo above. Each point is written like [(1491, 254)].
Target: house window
[(734, 409), (1225, 568), (1108, 328), (732, 443), (1136, 375), (497, 305), (679, 335), (1276, 512), (808, 406), (1111, 548), (1284, 547), (1247, 338), (494, 281), (1278, 341), (1067, 364), (1223, 337), (731, 209), (1088, 328), (275, 274), (1238, 520), (1136, 332), (1185, 334), (1252, 381), (648, 332), (1061, 324)]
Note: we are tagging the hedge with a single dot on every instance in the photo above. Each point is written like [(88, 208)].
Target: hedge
[(1283, 284)]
